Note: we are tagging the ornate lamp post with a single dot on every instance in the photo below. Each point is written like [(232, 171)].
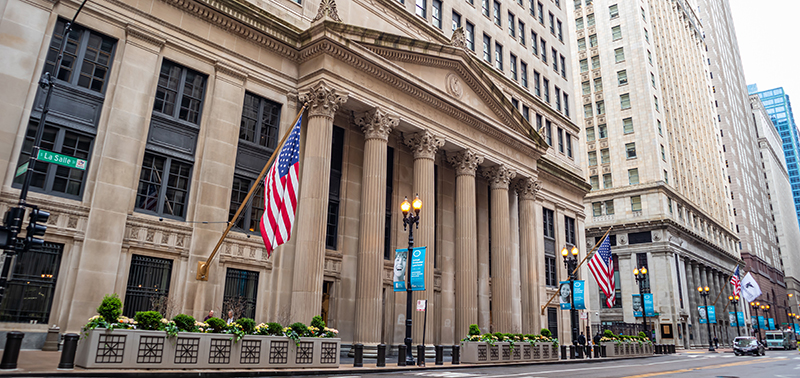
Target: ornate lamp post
[(409, 222), (571, 263), (735, 301), (757, 325), (765, 308), (704, 293), (641, 275)]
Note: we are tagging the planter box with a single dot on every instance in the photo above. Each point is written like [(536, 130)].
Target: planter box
[(626, 349), (474, 352), (132, 349)]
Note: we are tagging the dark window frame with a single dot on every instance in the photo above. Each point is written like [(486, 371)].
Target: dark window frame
[(142, 272), (335, 181), (144, 194), (180, 93), (79, 56), (32, 288), (240, 283)]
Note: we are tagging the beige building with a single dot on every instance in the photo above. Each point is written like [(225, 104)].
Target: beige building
[(176, 106), (654, 159)]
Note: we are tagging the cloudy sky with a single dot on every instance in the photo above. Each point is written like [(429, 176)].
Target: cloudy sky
[(769, 36)]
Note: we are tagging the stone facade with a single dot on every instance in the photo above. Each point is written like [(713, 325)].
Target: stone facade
[(381, 84)]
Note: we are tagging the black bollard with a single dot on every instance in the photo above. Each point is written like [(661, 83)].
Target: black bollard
[(588, 350), (563, 352), (68, 352), (603, 351), (421, 355), (11, 352), (456, 354), (401, 355), (597, 351), (439, 355), (358, 356), (579, 349), (672, 348), (381, 355)]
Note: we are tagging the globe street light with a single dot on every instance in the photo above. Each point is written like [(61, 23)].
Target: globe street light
[(641, 275), (409, 222), (735, 301), (704, 293), (757, 325), (571, 263)]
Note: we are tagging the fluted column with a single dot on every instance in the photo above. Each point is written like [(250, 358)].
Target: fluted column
[(466, 163), (425, 145), (500, 177), (526, 189), (376, 125), (704, 283), (323, 101), (691, 283)]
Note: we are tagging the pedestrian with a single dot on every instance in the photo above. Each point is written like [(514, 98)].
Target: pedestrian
[(581, 339), (716, 341), (209, 316), (596, 338), (230, 317)]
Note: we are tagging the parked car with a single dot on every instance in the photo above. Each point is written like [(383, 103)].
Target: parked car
[(747, 345)]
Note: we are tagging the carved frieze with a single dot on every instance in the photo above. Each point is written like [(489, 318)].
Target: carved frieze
[(327, 9)]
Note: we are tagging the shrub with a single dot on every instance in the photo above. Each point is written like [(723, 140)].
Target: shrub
[(110, 308), (529, 336), (474, 330), (299, 328), (184, 322), (642, 334), (275, 329), (317, 322), (217, 325), (247, 325), (546, 332), (149, 320), (608, 333), (499, 335)]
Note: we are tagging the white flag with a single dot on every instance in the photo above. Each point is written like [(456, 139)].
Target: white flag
[(750, 288)]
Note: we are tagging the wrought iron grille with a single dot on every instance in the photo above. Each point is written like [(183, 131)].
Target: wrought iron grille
[(148, 279), (241, 284), (29, 295)]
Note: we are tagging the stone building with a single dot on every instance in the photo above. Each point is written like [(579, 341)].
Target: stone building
[(655, 161), (177, 104)]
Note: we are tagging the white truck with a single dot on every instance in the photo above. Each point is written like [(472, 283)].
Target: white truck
[(780, 340)]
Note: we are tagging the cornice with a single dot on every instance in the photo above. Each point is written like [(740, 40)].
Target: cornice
[(549, 167)]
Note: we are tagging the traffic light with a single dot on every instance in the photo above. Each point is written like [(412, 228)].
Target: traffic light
[(12, 223), (5, 237), (36, 227)]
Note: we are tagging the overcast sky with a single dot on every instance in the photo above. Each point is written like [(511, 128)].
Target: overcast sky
[(768, 32)]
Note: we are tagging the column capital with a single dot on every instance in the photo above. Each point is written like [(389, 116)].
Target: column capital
[(527, 188), (465, 162), (499, 176), (323, 101), (424, 144), (377, 124)]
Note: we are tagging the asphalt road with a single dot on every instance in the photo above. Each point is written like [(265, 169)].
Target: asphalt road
[(687, 364)]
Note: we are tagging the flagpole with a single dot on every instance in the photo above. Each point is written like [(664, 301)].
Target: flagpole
[(720, 291), (579, 265), (202, 266)]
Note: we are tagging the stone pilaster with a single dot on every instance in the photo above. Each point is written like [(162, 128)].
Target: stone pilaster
[(323, 102), (376, 125), (704, 282), (466, 163), (500, 177), (482, 199), (526, 190), (693, 278), (424, 145)]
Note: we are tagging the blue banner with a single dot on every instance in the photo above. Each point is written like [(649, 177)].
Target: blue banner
[(740, 317), (771, 323), (649, 306), (577, 294), (732, 319), (636, 304), (712, 314), (754, 322), (761, 324), (564, 293), (703, 317), (797, 328), (400, 260), (418, 269)]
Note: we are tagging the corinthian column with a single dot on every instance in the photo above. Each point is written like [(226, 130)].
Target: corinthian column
[(424, 145), (466, 163), (527, 189), (376, 125), (323, 101), (499, 177)]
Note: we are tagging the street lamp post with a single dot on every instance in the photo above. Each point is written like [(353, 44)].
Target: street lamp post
[(641, 275), (735, 301), (757, 325), (409, 222), (765, 309), (704, 293), (571, 263)]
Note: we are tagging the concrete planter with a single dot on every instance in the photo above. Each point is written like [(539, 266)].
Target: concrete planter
[(475, 352), (626, 349), (132, 349)]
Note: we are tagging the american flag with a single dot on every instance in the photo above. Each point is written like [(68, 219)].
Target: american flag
[(602, 267), (280, 193), (737, 284)]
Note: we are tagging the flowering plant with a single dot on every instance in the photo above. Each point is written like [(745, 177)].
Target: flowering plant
[(236, 330), (169, 327)]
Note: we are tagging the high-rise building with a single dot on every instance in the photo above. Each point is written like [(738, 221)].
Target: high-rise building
[(654, 159)]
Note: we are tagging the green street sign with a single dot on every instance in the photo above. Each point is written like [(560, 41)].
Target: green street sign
[(22, 169), (67, 161)]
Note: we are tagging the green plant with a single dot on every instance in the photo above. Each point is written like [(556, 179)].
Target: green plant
[(474, 330), (184, 322), (217, 325), (642, 334), (236, 330), (110, 308), (317, 322), (299, 328), (247, 325), (274, 329), (148, 320), (499, 335), (546, 332), (608, 333)]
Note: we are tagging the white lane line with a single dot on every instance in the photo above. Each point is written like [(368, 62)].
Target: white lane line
[(520, 375)]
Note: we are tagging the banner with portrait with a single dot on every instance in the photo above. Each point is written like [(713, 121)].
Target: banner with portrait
[(400, 260), (702, 316), (564, 292)]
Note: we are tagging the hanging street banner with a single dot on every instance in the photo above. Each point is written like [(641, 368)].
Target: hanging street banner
[(761, 323), (400, 260), (712, 314), (418, 269), (736, 318), (67, 161), (740, 317), (703, 317), (564, 292), (771, 323), (578, 288), (649, 307), (636, 303)]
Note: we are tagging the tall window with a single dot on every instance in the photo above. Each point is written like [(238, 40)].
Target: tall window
[(590, 20), (563, 66), (558, 98), (87, 57), (470, 35), (544, 50), (608, 184), (551, 17), (584, 64), (579, 23), (598, 84), (560, 132), (552, 320), (636, 203), (641, 262), (422, 8), (605, 157), (592, 158), (485, 7), (568, 137), (456, 20), (627, 125), (549, 234), (595, 182), (163, 185), (569, 230), (566, 104), (534, 43), (548, 132), (617, 287), (180, 93), (622, 77), (590, 134), (596, 62), (512, 26), (593, 40), (241, 289), (625, 101), (387, 226), (512, 61), (540, 10), (526, 113), (521, 28), (619, 55), (487, 48), (582, 44), (498, 56), (436, 13), (546, 84), (559, 28), (613, 11), (537, 88), (524, 73), (633, 176), (335, 185), (148, 280), (601, 107), (630, 150), (496, 13), (30, 291), (587, 111), (555, 59), (616, 32), (603, 131)]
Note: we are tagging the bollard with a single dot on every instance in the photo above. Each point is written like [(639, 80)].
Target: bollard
[(603, 351), (358, 355), (68, 352), (421, 355), (588, 351), (11, 352), (401, 355), (439, 355), (579, 349), (563, 352), (672, 348), (597, 351), (658, 348), (381, 355), (456, 355)]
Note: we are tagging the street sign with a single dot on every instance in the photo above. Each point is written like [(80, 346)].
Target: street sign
[(22, 169), (67, 161), (421, 304), (584, 315)]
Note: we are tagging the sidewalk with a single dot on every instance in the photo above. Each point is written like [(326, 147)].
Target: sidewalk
[(36, 363)]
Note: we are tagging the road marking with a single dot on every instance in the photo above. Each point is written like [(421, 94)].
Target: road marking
[(444, 374), (701, 368), (523, 375)]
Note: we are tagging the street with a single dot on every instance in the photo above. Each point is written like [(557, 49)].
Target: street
[(686, 364)]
